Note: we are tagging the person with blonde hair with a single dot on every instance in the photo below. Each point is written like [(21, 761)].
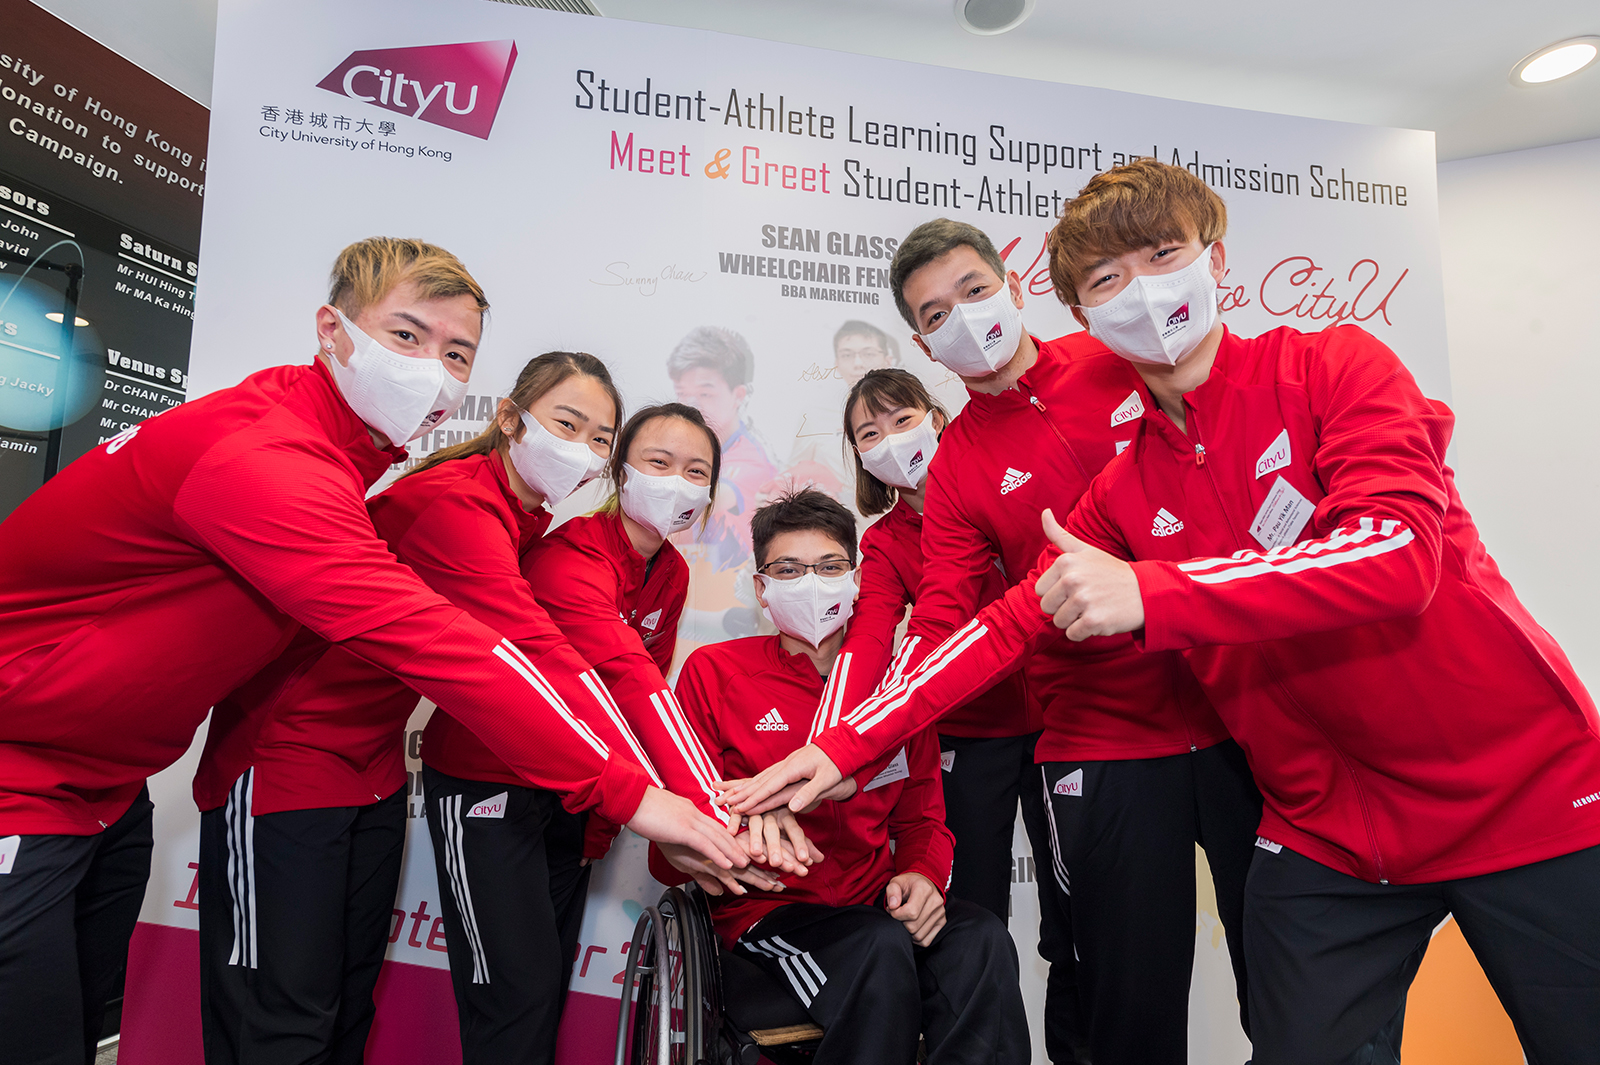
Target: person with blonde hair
[(161, 571)]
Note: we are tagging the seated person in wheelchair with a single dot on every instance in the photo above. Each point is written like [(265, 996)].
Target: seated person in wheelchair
[(867, 941)]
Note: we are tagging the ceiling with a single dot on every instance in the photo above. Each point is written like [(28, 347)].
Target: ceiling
[(1434, 65)]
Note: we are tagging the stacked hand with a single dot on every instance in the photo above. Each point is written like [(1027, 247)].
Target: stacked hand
[(1088, 592), (812, 773), (912, 900)]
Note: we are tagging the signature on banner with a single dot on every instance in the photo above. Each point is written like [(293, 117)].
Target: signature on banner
[(619, 275)]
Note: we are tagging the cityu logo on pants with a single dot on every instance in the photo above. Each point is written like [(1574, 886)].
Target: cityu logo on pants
[(457, 86)]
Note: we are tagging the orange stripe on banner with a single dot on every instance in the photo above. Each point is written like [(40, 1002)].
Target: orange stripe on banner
[(1452, 1014)]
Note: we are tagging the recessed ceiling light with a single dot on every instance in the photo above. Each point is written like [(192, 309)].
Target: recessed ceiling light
[(1556, 61), (989, 17)]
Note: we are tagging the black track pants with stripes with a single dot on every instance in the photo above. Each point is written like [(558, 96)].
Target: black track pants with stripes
[(1332, 957), (512, 890), (873, 991), (1124, 839), (295, 910), (985, 780), (68, 905)]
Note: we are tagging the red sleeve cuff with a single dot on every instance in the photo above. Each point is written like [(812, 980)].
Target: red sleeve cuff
[(617, 792), (598, 835), (849, 751)]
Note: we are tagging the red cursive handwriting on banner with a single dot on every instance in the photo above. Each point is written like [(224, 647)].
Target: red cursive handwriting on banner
[(1290, 288)]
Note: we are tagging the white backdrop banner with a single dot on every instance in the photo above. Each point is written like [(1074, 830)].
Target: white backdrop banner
[(618, 186)]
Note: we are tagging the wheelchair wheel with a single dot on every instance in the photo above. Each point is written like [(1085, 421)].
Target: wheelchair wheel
[(678, 1001)]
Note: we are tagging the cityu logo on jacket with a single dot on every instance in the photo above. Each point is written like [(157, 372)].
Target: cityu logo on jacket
[(991, 337), (457, 86)]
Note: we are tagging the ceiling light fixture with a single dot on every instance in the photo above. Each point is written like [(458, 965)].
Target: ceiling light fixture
[(989, 17), (1555, 61)]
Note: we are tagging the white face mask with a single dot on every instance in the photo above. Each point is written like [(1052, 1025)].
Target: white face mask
[(667, 504), (901, 459), (399, 396), (976, 339), (553, 467), (811, 608), (1159, 318)]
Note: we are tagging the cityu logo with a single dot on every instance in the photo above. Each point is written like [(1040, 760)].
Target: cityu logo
[(831, 612), (992, 336), (1277, 454), (1178, 316), (1131, 408), (916, 460), (457, 86), (1071, 784), (684, 518), (494, 806)]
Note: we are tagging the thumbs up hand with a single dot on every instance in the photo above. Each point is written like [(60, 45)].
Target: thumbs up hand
[(1088, 592)]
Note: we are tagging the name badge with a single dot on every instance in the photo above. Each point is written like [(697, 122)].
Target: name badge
[(1282, 518), (895, 770)]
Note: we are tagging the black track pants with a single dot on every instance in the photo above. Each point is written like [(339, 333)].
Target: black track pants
[(499, 868), (68, 905), (1125, 834), (295, 912), (1332, 957), (984, 782), (862, 978)]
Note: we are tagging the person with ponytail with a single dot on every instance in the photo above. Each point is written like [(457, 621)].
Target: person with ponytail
[(986, 746), (302, 782), (615, 587)]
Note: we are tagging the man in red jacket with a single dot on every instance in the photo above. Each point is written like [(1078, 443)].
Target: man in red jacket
[(159, 572), (1134, 768), (867, 937)]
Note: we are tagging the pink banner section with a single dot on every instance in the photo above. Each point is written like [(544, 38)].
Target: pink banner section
[(416, 1011)]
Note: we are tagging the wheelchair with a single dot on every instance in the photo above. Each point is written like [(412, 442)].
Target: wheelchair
[(699, 1004)]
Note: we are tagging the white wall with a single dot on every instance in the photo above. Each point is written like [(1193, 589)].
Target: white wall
[(1520, 237)]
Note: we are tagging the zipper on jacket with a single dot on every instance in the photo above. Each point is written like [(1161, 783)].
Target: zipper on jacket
[(1073, 455), (1199, 454)]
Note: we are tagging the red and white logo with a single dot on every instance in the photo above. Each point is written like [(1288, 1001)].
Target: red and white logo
[(651, 620), (916, 460), (8, 853), (831, 612), (1132, 407), (494, 806), (1071, 784), (115, 444), (457, 86), (772, 722), (1277, 454), (1179, 316), (1166, 523), (992, 337)]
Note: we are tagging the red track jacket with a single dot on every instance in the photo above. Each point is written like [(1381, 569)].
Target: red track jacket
[(750, 701), (1405, 717), (1000, 462), (891, 572), (621, 614), (157, 573)]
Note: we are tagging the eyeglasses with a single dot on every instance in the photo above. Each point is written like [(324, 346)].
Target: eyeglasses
[(792, 571)]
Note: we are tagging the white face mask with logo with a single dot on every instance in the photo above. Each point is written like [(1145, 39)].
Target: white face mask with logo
[(553, 467), (976, 339), (811, 608), (901, 459), (1159, 318), (667, 504), (399, 396)]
